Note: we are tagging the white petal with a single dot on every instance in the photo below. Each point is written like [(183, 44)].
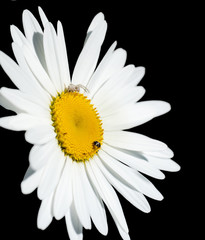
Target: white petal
[(35, 46), (133, 141), (40, 154), (18, 36), (124, 235), (18, 53), (23, 65), (4, 102), (63, 59), (133, 196), (165, 153), (31, 180), (163, 163), (39, 49), (95, 22), (74, 227), (63, 195), (34, 36), (106, 192), (38, 71), (40, 134), (136, 76), (51, 173), (21, 102), (30, 25), (135, 93), (135, 115), (21, 122), (116, 95), (40, 94), (132, 177), (111, 87), (51, 49), (88, 57), (135, 162), (95, 204), (112, 63), (95, 78), (21, 79), (79, 196), (17, 76), (45, 213), (119, 100), (43, 17)]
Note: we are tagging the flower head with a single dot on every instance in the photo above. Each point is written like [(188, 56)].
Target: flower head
[(82, 150)]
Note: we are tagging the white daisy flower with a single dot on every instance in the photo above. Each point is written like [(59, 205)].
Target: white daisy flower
[(81, 151)]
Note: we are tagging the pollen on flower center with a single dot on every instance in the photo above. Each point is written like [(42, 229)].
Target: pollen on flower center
[(77, 125)]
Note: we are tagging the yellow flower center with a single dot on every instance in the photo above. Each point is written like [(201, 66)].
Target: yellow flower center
[(77, 125)]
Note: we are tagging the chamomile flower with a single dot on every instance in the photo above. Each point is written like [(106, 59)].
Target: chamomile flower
[(82, 149)]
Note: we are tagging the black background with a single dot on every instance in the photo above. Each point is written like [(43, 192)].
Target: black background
[(155, 36)]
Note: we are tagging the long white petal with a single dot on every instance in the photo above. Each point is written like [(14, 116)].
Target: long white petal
[(121, 96), (38, 71), (74, 227), (79, 196), (164, 153), (111, 87), (97, 75), (34, 35), (31, 180), (51, 173), (95, 204), (45, 213), (21, 79), (63, 196), (39, 49), (43, 17), (88, 57), (136, 76), (23, 103), (4, 102), (133, 141), (135, 162), (51, 49), (119, 100), (133, 196), (20, 40), (124, 235), (135, 115), (95, 22), (40, 134), (31, 25), (19, 55), (21, 122), (62, 56), (18, 77), (107, 193), (110, 64), (131, 177), (40, 154), (18, 36), (163, 163)]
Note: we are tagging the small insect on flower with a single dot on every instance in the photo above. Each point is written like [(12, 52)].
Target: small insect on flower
[(96, 144), (76, 88)]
